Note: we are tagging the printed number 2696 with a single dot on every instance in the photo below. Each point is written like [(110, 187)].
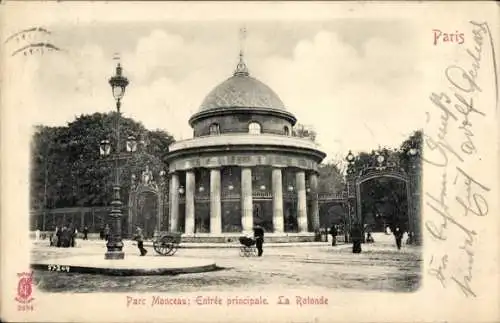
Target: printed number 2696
[(25, 308)]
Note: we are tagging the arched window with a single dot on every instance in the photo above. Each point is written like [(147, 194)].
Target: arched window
[(286, 131), (254, 128), (214, 129)]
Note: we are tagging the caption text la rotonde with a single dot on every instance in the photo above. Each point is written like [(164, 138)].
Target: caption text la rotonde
[(133, 301)]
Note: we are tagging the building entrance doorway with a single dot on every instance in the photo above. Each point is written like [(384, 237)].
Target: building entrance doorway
[(147, 209), (262, 215)]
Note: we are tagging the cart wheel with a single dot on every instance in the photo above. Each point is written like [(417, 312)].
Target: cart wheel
[(165, 248), (254, 252), (168, 248), (161, 248), (168, 245), (173, 250), (156, 247)]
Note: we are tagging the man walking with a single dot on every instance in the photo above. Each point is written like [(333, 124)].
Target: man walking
[(333, 232), (357, 238), (85, 233), (398, 234), (139, 237), (258, 234), (73, 235), (106, 232)]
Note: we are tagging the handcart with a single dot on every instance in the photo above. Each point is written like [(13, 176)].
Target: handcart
[(247, 248), (166, 243)]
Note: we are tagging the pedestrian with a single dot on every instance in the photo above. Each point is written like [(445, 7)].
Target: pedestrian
[(85, 233), (59, 236), (139, 237), (369, 237), (106, 232), (74, 233), (357, 238), (258, 234), (66, 237), (333, 232), (54, 237), (398, 234), (410, 239)]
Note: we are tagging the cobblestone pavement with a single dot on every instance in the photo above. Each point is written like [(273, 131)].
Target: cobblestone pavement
[(380, 267)]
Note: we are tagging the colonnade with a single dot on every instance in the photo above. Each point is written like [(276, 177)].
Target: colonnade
[(246, 199)]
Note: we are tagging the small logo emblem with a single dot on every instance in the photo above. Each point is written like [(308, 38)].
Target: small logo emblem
[(25, 288)]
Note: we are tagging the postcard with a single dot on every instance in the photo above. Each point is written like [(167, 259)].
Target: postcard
[(249, 162)]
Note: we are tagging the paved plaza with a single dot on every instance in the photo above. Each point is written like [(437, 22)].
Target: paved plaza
[(380, 267)]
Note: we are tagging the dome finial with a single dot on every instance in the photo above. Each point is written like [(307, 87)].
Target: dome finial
[(241, 68)]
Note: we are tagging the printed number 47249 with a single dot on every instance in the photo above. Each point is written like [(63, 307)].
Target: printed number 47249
[(58, 268)]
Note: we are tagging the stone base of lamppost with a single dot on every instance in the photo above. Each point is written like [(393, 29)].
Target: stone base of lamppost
[(115, 244), (114, 252), (115, 249)]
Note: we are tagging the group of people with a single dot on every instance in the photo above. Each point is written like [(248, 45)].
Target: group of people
[(63, 237), (357, 237)]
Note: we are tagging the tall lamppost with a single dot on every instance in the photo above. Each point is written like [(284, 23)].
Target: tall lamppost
[(115, 245), (350, 179), (415, 182)]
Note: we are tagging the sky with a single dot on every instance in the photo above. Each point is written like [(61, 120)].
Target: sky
[(355, 81)]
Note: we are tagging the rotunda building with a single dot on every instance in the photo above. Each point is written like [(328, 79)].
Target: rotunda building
[(243, 167)]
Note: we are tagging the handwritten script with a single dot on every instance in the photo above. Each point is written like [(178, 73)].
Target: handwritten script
[(450, 150)]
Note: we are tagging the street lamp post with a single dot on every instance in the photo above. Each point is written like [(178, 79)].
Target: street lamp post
[(415, 179), (351, 211), (115, 245)]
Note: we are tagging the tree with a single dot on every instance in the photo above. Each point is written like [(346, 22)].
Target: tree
[(159, 141), (415, 142), (330, 178), (77, 174), (43, 166), (303, 131)]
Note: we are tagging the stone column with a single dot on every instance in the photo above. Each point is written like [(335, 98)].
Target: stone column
[(190, 188), (246, 200), (313, 183), (300, 178), (174, 202), (278, 220), (215, 201)]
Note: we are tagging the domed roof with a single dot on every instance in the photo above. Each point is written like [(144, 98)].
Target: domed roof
[(242, 91)]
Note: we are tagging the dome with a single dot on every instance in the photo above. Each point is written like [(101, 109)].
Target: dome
[(242, 91)]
